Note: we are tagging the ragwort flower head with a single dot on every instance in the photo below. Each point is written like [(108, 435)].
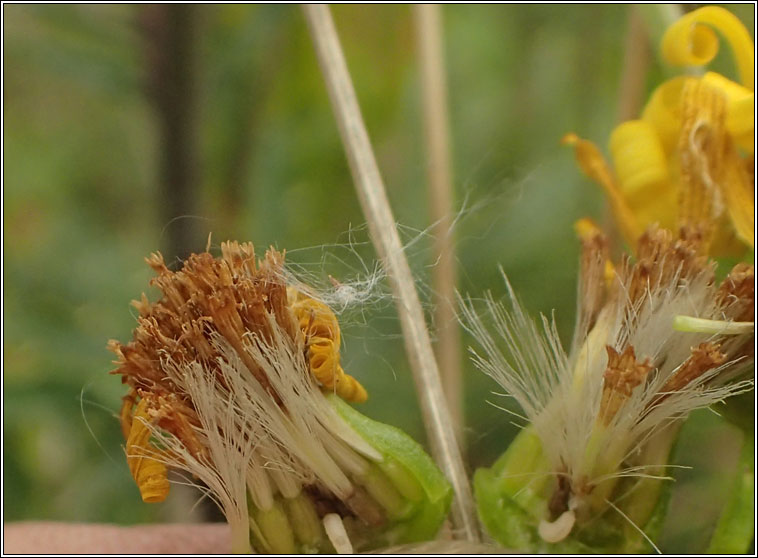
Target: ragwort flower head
[(235, 378), (595, 411)]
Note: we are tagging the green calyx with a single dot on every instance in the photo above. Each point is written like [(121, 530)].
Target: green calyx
[(513, 497), (418, 496)]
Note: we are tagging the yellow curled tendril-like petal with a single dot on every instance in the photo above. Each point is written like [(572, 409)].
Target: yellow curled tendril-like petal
[(664, 111), (149, 474), (322, 334), (643, 172), (740, 109), (325, 366), (315, 318), (691, 41), (593, 164)]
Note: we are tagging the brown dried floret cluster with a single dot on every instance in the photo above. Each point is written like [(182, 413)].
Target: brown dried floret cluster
[(736, 293), (663, 262), (208, 303), (228, 296)]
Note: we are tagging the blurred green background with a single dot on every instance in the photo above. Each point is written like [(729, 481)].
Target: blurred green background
[(90, 188)]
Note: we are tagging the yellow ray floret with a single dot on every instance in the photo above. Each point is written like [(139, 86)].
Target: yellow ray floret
[(593, 164), (149, 474), (322, 336), (644, 174), (687, 160), (690, 41)]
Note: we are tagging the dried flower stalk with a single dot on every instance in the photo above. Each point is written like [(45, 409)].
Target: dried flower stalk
[(428, 20), (373, 198), (629, 375)]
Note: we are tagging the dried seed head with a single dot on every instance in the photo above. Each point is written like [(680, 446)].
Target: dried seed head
[(228, 368), (629, 374), (663, 262), (595, 273)]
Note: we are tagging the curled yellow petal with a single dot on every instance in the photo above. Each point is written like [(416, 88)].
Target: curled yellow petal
[(323, 358), (149, 474), (593, 164), (315, 318), (691, 41), (643, 172), (322, 335), (125, 416), (664, 111)]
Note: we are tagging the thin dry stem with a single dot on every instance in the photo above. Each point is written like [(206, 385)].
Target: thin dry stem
[(373, 199), (637, 56), (428, 20)]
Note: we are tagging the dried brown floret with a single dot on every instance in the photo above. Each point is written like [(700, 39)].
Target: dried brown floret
[(592, 275), (704, 357), (211, 311), (622, 374), (736, 294), (208, 297)]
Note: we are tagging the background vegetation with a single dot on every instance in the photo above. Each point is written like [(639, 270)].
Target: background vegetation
[(89, 191)]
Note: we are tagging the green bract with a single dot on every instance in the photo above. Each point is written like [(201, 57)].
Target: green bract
[(426, 493), (513, 496)]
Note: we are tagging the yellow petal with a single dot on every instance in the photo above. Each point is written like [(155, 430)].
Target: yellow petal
[(593, 164), (664, 111), (585, 228), (319, 325), (643, 173), (149, 474), (690, 41), (726, 244)]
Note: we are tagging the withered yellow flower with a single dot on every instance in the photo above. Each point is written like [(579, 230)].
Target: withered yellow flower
[(688, 160), (235, 378)]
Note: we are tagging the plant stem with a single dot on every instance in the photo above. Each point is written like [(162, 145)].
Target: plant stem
[(373, 199), (634, 68), (428, 20), (170, 51)]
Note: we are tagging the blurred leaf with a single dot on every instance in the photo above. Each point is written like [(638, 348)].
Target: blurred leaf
[(735, 531)]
